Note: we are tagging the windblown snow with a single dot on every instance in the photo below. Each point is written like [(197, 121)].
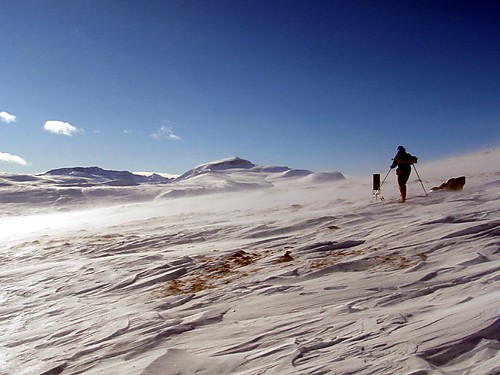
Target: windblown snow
[(234, 268)]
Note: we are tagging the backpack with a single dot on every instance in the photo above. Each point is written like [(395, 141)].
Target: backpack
[(407, 159)]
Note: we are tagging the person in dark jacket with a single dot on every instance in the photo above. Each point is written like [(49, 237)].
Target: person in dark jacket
[(403, 162)]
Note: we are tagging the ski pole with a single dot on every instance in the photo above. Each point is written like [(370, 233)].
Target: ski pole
[(385, 177), (421, 183)]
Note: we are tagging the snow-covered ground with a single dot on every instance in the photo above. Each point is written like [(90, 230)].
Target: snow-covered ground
[(240, 269)]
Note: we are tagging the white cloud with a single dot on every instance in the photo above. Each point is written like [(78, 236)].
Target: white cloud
[(60, 127), (7, 117), (165, 132), (12, 158)]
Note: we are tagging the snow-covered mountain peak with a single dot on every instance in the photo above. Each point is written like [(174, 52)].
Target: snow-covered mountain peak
[(233, 162), (98, 174)]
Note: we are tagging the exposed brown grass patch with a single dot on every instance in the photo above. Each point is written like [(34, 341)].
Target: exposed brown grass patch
[(214, 271), (422, 256), (390, 261)]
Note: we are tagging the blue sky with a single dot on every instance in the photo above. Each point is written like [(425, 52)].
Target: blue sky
[(322, 85)]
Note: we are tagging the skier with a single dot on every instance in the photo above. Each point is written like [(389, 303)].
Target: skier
[(403, 162)]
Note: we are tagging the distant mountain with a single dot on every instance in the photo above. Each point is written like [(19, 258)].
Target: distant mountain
[(232, 168), (109, 177), (236, 164), (81, 185), (218, 165)]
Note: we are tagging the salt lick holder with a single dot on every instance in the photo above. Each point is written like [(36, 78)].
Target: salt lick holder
[(376, 183), (377, 186)]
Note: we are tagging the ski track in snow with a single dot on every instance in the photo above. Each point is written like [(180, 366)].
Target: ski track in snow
[(201, 284)]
